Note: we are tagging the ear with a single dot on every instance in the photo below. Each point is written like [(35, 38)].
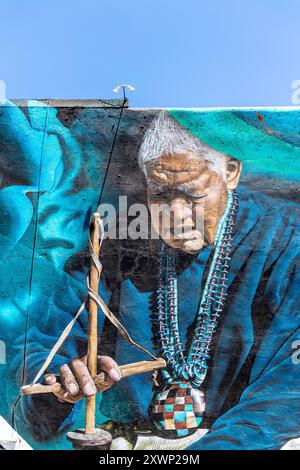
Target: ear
[(234, 169)]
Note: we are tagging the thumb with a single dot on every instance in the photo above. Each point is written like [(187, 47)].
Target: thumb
[(50, 379)]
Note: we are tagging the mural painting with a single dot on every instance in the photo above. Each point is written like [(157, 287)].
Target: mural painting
[(199, 266)]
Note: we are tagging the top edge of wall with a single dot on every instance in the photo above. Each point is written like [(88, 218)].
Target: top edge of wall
[(119, 103), (72, 103)]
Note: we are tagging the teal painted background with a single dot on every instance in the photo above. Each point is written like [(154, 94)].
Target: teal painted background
[(60, 155), (267, 141)]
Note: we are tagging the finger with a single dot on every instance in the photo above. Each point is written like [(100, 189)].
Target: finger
[(64, 396), (84, 360), (50, 379), (108, 365), (68, 380), (83, 378)]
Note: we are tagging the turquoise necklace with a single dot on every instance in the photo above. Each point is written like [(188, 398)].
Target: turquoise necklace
[(178, 404)]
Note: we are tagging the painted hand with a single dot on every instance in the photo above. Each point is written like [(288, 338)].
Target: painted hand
[(76, 380)]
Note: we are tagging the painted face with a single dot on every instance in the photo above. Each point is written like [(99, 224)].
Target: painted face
[(186, 197)]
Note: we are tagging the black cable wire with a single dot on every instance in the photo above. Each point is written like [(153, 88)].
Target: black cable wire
[(16, 402), (13, 417), (109, 105)]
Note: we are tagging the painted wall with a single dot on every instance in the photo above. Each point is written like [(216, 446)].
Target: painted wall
[(53, 161)]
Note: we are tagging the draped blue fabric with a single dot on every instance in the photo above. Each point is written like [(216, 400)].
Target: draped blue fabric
[(252, 387)]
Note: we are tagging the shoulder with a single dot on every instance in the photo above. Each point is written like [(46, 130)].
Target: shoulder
[(268, 227), (274, 210)]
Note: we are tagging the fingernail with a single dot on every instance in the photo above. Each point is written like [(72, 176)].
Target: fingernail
[(115, 374), (89, 389), (73, 389), (48, 379)]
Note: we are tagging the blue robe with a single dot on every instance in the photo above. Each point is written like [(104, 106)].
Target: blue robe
[(252, 387)]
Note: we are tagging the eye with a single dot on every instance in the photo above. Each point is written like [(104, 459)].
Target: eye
[(199, 196), (158, 193)]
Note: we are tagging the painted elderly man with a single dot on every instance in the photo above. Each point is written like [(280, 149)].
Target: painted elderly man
[(215, 294)]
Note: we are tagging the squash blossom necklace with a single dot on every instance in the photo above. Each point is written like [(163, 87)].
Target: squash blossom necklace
[(178, 404)]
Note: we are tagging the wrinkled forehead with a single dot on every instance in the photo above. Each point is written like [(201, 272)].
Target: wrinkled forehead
[(184, 168)]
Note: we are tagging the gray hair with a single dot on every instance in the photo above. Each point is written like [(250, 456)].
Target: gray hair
[(166, 136)]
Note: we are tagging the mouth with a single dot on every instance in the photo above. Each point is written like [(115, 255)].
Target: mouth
[(190, 241)]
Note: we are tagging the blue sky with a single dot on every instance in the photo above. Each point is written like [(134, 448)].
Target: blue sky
[(177, 53)]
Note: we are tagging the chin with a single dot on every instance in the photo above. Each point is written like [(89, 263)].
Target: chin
[(190, 250), (190, 247)]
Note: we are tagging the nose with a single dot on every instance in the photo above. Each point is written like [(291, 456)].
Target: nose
[(182, 211)]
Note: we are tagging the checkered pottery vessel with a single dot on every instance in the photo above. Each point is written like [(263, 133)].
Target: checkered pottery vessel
[(177, 409)]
